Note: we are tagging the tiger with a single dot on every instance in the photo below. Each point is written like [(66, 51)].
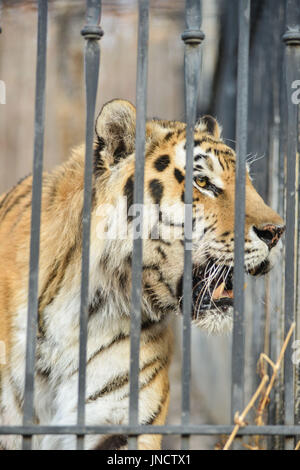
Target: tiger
[(114, 225)]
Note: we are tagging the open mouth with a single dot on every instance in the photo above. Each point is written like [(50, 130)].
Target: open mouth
[(213, 287)]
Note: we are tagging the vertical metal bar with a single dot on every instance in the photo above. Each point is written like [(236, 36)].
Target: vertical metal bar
[(28, 409), (292, 41), (278, 401), (297, 363), (137, 258), (92, 33), (1, 9), (224, 99), (277, 193), (238, 342), (192, 38)]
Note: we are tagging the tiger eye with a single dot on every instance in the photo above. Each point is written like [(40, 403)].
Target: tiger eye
[(201, 182)]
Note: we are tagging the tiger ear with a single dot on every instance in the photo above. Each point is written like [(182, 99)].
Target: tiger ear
[(209, 125), (115, 130)]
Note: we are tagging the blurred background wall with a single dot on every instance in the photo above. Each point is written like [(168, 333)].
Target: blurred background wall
[(65, 124), (65, 118)]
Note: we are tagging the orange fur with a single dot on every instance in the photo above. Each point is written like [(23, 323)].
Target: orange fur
[(61, 232)]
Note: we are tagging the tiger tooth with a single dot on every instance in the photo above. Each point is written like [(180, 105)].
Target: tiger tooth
[(218, 291)]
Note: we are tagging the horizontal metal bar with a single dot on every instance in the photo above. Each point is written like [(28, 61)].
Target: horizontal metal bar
[(204, 429)]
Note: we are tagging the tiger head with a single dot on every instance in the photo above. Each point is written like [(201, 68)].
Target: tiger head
[(212, 231)]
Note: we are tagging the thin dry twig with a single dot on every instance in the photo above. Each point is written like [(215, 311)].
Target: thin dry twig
[(239, 419), (276, 366)]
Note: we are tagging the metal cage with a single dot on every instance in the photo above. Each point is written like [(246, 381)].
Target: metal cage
[(193, 36)]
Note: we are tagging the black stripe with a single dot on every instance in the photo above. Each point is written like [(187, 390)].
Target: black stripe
[(168, 136), (151, 147), (121, 152), (121, 337), (58, 271), (96, 303), (147, 324), (156, 190), (161, 252), (52, 195), (201, 156), (44, 373), (221, 165), (155, 373), (112, 386), (12, 190), (228, 152), (114, 442), (15, 201), (121, 380), (20, 216), (5, 198), (128, 193), (162, 162), (160, 240), (99, 167), (156, 414), (116, 339), (50, 279), (210, 227), (215, 189), (197, 142), (178, 175), (156, 268)]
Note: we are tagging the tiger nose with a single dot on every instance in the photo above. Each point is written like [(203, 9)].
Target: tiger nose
[(270, 234)]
